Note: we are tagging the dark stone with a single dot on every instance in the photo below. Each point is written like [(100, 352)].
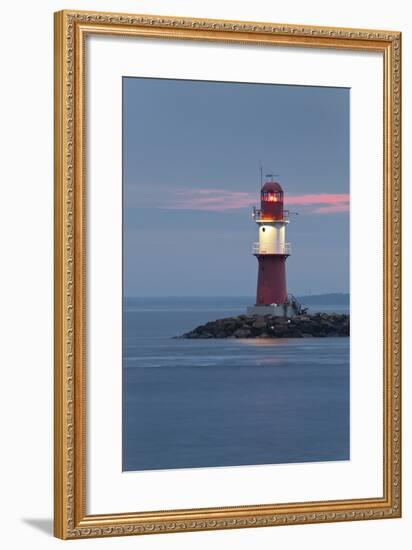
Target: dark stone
[(319, 325), (242, 333)]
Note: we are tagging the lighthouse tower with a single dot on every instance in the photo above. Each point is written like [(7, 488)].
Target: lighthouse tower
[(271, 252)]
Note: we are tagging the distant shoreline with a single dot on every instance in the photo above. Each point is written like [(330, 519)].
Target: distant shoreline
[(332, 298)]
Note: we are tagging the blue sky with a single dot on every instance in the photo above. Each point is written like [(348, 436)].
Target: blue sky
[(191, 154)]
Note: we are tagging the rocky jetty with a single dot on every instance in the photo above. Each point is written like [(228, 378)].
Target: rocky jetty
[(319, 325)]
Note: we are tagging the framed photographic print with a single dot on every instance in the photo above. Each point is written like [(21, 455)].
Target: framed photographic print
[(227, 274)]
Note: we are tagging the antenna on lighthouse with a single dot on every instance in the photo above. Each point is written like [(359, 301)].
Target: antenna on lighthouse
[(261, 174)]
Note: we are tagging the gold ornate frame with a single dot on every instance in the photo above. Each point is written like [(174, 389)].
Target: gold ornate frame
[(71, 520)]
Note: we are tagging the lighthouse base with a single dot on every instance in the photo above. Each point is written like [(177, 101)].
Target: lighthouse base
[(288, 309)]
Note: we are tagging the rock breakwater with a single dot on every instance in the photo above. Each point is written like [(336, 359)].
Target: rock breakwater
[(319, 325)]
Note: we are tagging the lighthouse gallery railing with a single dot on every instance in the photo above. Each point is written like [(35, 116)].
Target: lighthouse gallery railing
[(265, 249), (257, 215)]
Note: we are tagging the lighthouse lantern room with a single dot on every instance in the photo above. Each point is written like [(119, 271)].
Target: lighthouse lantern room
[(271, 252)]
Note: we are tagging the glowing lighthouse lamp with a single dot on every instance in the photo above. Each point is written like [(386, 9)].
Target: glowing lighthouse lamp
[(271, 252)]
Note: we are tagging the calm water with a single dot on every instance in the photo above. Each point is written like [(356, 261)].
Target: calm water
[(201, 403)]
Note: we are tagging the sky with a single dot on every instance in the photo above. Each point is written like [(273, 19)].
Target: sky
[(191, 157)]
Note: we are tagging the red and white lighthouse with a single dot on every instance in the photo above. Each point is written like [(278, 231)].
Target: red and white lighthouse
[(271, 252)]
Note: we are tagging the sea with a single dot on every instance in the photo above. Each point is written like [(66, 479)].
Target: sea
[(228, 402)]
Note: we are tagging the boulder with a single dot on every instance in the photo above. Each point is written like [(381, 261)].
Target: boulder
[(242, 333), (259, 323)]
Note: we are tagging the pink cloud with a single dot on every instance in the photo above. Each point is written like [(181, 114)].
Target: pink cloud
[(332, 209), (318, 198), (218, 200), (321, 203)]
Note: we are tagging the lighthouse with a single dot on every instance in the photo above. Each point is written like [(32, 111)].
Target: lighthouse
[(272, 251)]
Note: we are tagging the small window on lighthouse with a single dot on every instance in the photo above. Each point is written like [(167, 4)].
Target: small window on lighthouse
[(263, 229)]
